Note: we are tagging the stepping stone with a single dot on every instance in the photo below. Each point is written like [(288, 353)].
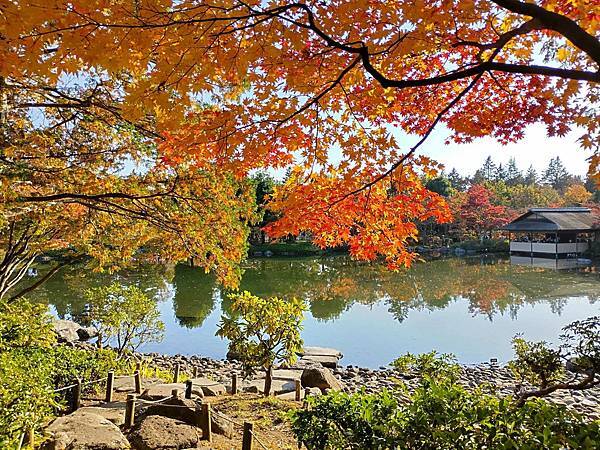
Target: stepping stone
[(157, 433), (287, 374), (327, 361), (277, 386), (84, 430), (321, 351), (158, 391), (127, 384), (208, 387), (115, 413)]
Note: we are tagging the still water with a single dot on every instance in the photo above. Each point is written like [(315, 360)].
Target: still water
[(471, 307)]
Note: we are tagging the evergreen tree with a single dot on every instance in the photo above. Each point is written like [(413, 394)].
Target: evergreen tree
[(513, 174), (556, 175), (488, 170), (501, 173), (457, 182), (531, 176)]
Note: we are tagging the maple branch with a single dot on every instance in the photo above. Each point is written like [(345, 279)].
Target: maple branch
[(38, 283), (556, 22)]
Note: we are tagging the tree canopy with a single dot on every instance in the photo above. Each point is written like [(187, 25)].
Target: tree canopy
[(227, 87)]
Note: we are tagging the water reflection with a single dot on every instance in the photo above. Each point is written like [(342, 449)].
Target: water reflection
[(470, 306), (333, 285)]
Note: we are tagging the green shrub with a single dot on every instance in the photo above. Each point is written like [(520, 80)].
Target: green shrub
[(440, 415), (429, 364)]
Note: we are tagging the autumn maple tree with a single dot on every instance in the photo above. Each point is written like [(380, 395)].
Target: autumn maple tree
[(476, 213), (218, 89)]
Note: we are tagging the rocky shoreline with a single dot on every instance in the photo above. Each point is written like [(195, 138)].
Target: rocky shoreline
[(354, 378)]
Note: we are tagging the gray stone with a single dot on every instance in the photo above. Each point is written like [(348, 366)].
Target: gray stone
[(207, 386), (324, 360), (321, 351), (158, 433), (278, 387), (158, 391), (220, 424), (321, 378), (84, 431), (186, 410), (114, 412)]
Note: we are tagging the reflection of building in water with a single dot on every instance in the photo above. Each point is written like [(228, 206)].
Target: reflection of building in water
[(546, 263), (558, 233)]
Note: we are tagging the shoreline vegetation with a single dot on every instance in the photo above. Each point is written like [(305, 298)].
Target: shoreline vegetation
[(306, 248)]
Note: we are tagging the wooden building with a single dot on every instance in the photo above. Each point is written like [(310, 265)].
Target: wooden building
[(557, 233)]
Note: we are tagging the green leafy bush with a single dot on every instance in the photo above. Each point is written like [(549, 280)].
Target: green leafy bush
[(263, 332), (429, 364), (439, 415), (124, 316), (31, 368)]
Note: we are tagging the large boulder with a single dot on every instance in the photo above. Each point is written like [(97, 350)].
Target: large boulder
[(69, 331), (220, 424), (208, 387), (114, 412), (277, 386), (320, 377), (84, 431), (186, 410), (158, 433)]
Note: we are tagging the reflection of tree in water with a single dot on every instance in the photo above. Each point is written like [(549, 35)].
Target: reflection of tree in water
[(332, 285), (194, 296), (65, 290)]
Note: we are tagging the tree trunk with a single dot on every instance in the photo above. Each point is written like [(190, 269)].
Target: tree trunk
[(268, 381)]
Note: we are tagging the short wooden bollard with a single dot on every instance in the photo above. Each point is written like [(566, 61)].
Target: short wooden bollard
[(195, 372), (138, 366), (76, 400), (130, 410), (247, 437), (234, 384), (137, 378), (188, 389), (110, 381), (298, 390), (207, 425), (176, 374), (175, 393)]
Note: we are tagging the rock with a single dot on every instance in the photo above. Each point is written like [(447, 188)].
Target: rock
[(84, 431), (207, 386), (321, 351), (321, 378), (86, 333), (324, 360), (66, 330), (188, 410), (127, 384), (157, 433), (114, 412), (158, 391), (220, 425), (278, 387)]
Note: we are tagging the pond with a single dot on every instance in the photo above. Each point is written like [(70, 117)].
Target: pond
[(471, 307)]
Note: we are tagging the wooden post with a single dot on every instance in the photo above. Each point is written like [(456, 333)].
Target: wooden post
[(76, 401), (247, 437), (175, 393), (110, 381), (130, 410), (188, 389), (298, 390), (138, 366), (195, 372), (206, 416), (176, 374), (234, 384), (137, 378)]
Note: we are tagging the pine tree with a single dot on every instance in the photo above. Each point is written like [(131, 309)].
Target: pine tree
[(488, 170), (513, 174), (458, 183), (556, 175), (531, 176), (500, 174)]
